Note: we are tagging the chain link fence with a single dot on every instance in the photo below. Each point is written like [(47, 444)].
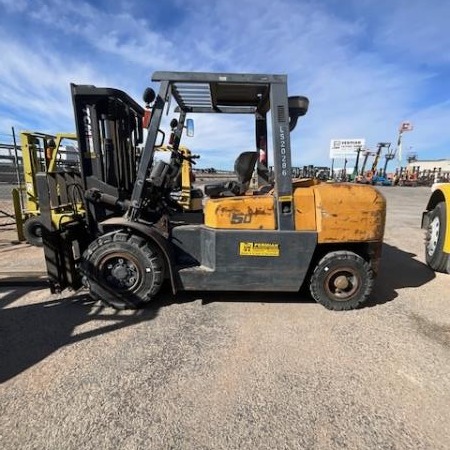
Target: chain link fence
[(11, 177)]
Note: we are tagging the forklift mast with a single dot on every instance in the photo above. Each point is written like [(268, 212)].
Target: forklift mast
[(109, 128)]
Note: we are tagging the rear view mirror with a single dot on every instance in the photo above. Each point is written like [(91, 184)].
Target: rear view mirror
[(190, 127), (149, 96)]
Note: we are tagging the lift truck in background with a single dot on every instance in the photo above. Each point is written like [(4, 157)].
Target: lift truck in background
[(134, 237), (186, 195), (43, 152)]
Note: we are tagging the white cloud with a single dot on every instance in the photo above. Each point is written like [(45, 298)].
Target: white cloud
[(119, 34), (14, 5), (35, 85), (365, 69), (418, 30)]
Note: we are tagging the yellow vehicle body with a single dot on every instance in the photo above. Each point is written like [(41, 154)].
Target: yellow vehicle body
[(40, 154), (436, 222), (32, 163), (337, 212), (441, 192)]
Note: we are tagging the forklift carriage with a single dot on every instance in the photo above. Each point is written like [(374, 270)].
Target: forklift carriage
[(134, 236)]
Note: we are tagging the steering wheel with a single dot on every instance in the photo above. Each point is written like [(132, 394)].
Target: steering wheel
[(180, 155)]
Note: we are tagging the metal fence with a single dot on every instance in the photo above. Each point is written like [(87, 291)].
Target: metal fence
[(11, 176)]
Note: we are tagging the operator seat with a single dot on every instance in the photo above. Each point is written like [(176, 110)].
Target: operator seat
[(243, 167)]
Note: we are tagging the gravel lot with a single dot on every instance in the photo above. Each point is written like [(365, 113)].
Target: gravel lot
[(235, 370)]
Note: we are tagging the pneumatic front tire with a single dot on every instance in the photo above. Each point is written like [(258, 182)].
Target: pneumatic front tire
[(122, 270), (435, 256), (341, 280)]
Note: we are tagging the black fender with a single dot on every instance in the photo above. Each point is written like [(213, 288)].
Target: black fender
[(152, 234)]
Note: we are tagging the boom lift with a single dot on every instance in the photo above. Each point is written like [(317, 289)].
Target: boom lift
[(381, 178), (355, 169), (295, 234), (373, 170), (390, 155), (361, 178)]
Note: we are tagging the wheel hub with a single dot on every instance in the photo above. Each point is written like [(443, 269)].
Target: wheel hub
[(433, 236), (120, 272), (342, 283)]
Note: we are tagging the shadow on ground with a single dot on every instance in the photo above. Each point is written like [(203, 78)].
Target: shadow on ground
[(398, 270), (29, 333)]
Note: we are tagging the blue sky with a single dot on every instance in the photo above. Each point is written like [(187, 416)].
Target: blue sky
[(366, 65)]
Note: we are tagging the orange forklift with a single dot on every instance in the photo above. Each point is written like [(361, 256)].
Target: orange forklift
[(134, 237)]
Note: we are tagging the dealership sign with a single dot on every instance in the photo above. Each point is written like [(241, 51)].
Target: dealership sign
[(340, 148)]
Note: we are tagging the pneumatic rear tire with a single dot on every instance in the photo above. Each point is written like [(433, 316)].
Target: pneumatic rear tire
[(122, 270), (342, 280), (32, 231)]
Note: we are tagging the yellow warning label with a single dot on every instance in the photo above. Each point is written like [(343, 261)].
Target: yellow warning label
[(259, 249)]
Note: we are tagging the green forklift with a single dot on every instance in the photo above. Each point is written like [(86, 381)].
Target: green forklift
[(43, 153)]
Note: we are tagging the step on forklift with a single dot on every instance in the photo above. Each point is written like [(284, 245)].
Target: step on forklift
[(277, 238)]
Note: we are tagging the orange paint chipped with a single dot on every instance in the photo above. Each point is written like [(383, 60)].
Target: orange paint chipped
[(241, 213), (349, 213)]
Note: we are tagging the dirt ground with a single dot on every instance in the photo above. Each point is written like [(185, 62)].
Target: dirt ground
[(230, 370)]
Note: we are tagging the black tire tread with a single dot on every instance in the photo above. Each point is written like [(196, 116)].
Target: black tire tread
[(334, 305), (439, 261), (140, 244), (28, 225)]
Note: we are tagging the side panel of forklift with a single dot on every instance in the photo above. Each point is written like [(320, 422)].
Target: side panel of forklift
[(436, 222), (242, 260), (338, 212), (125, 268)]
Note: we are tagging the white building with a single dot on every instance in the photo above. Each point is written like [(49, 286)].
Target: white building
[(442, 164)]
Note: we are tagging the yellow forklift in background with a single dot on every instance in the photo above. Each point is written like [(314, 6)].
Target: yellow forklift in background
[(43, 153), (134, 237), (184, 193)]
